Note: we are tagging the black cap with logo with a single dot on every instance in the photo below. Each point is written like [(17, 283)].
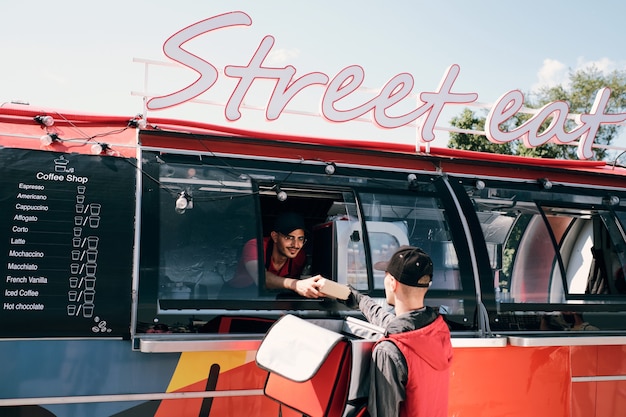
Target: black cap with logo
[(408, 264)]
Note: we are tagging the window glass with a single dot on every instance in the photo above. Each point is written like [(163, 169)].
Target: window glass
[(420, 219), (204, 224), (206, 216), (194, 228), (394, 220), (554, 255), (340, 238), (618, 280), (200, 270)]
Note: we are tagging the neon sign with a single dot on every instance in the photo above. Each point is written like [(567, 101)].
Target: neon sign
[(397, 89)]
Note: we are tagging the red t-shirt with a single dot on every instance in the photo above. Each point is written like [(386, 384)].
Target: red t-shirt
[(292, 268)]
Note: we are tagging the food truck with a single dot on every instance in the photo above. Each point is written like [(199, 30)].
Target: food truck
[(122, 235)]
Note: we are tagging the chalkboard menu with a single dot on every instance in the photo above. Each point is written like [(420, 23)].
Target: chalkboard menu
[(66, 244)]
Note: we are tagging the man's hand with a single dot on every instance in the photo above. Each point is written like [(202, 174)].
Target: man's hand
[(353, 299), (308, 287)]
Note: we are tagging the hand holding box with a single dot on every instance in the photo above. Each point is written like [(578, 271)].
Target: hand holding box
[(333, 289)]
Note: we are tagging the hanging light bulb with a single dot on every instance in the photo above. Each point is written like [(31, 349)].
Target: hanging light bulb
[(139, 123), (99, 148), (545, 183), (183, 202), (611, 200), (280, 194), (48, 139), (46, 121)]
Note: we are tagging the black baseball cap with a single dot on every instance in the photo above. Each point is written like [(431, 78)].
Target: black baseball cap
[(408, 264), (288, 222)]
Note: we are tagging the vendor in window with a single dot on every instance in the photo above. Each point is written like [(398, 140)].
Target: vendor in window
[(283, 258)]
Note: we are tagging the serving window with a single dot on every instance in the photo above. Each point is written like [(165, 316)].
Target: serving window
[(198, 218), (200, 214)]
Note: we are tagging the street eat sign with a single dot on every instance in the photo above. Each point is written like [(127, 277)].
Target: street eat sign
[(397, 89)]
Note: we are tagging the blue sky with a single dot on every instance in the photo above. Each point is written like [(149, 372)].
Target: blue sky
[(77, 55)]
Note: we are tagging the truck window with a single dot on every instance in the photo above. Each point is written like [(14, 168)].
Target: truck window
[(207, 216), (554, 251), (394, 220), (201, 243), (416, 219), (200, 215)]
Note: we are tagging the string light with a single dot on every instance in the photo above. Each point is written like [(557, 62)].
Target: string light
[(611, 200), (545, 183), (183, 202), (49, 138), (99, 148), (44, 120), (139, 122), (280, 194)]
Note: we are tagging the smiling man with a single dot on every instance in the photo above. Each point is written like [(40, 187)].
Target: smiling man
[(283, 258)]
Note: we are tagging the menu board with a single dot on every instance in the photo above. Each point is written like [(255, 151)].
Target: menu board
[(66, 244)]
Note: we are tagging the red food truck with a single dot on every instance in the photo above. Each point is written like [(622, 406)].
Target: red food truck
[(123, 235)]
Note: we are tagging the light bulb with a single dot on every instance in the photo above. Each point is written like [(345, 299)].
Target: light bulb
[(96, 149), (545, 183), (45, 120), (281, 195), (100, 148), (181, 203), (611, 200), (138, 123), (46, 140)]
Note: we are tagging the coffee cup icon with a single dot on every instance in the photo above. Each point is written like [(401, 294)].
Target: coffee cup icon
[(92, 242), (60, 164), (94, 209), (87, 310), (94, 221), (73, 282), (89, 296), (92, 256), (90, 269), (71, 310), (90, 283)]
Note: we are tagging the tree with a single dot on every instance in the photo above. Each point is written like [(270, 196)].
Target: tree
[(579, 95), (472, 141)]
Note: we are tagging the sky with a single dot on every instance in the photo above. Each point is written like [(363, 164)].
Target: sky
[(89, 56)]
